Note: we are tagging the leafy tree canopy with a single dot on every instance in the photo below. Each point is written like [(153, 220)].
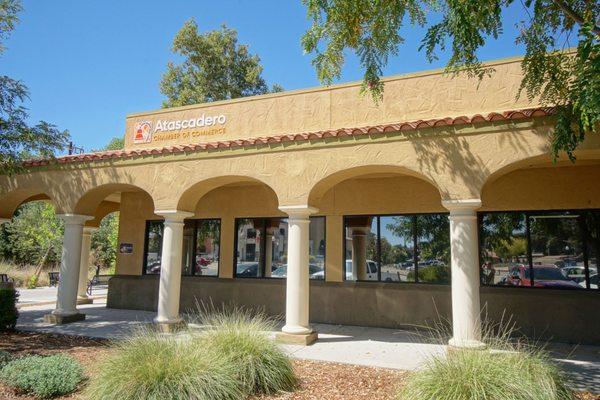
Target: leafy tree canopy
[(18, 139), (215, 67), (568, 79), (116, 143)]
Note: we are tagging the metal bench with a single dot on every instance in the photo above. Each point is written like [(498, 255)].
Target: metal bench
[(4, 278), (54, 278), (98, 280)]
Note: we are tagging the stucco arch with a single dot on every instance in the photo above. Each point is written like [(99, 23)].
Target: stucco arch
[(324, 184), (15, 198), (192, 194), (89, 203)]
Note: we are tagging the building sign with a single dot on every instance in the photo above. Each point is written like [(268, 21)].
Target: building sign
[(126, 248), (191, 128)]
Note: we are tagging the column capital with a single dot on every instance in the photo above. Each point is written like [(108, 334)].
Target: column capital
[(466, 207), (174, 215), (298, 211), (74, 219)]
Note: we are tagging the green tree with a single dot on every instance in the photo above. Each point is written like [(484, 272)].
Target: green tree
[(34, 235), (215, 67), (116, 143), (18, 139), (569, 80), (104, 241)]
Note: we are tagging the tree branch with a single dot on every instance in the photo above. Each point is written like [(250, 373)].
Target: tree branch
[(574, 16)]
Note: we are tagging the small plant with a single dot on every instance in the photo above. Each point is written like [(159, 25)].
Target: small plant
[(154, 366), (5, 358), (8, 308), (43, 376), (32, 282), (241, 338)]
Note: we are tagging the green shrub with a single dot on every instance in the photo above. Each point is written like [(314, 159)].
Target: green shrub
[(5, 358), (43, 376), (8, 308), (154, 366), (511, 373), (32, 282), (431, 273), (241, 338)]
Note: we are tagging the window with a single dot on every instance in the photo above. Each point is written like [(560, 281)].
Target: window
[(397, 248), (153, 247), (201, 244), (261, 248), (550, 249)]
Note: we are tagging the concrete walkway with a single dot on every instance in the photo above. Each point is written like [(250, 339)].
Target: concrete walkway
[(44, 295), (376, 347)]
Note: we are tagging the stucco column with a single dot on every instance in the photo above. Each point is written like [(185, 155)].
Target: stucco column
[(70, 263), (86, 243), (297, 329), (167, 317), (466, 317), (359, 253)]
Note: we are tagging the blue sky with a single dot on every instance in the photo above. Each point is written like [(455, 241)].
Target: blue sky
[(89, 63)]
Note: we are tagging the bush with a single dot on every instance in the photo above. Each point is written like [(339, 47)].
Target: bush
[(8, 308), (43, 376), (153, 366), (242, 339), (431, 273)]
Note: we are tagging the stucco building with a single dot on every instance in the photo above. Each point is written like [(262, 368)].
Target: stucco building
[(441, 202)]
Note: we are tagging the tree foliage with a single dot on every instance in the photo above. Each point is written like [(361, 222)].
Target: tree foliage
[(104, 241), (215, 67), (18, 139), (558, 76)]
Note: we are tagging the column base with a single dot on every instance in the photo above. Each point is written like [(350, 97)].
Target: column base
[(85, 300), (61, 319), (466, 344), (304, 339), (170, 326)]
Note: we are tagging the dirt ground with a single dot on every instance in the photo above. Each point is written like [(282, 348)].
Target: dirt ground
[(319, 380)]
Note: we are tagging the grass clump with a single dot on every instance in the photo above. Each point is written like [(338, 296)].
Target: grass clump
[(511, 368), (5, 358), (154, 366), (43, 376), (241, 338)]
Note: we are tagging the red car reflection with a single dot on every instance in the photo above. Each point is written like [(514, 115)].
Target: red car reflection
[(543, 276)]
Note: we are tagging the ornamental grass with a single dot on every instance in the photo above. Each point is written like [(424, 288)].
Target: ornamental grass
[(510, 368), (243, 339)]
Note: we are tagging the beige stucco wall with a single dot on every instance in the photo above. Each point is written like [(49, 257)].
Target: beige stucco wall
[(423, 95)]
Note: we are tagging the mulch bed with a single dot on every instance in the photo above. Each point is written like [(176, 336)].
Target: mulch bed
[(319, 380)]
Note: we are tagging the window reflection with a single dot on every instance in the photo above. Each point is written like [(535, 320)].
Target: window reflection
[(207, 246), (262, 248), (550, 249), (433, 235), (408, 248), (152, 254), (504, 246)]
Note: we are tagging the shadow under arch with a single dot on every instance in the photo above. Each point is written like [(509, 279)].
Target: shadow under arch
[(12, 200), (94, 201), (192, 194), (319, 189)]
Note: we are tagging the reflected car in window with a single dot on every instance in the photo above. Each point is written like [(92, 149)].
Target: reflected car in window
[(247, 269), (371, 269), (543, 276), (315, 271), (577, 273), (594, 281)]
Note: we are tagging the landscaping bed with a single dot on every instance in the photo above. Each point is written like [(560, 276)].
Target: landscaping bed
[(319, 380)]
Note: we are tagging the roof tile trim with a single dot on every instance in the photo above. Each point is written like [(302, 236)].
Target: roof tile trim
[(240, 143)]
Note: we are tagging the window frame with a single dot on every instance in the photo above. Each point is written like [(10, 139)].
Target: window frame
[(415, 240), (584, 235), (263, 246)]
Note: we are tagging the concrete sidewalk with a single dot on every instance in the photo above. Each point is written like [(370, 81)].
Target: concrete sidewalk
[(375, 347), (46, 295)]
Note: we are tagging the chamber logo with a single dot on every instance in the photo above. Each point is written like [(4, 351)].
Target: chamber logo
[(142, 132)]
